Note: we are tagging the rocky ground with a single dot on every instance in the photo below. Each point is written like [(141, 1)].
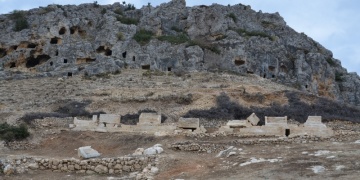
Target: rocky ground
[(133, 90)]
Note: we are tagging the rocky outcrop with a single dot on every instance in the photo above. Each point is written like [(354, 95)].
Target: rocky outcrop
[(92, 39)]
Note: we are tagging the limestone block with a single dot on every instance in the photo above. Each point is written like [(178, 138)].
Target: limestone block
[(314, 121), (226, 129), (84, 123), (276, 121), (87, 152), (149, 119), (101, 169), (33, 166), (238, 123), (253, 119), (110, 118), (192, 123)]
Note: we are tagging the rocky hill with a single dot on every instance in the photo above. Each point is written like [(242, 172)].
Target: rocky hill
[(92, 39)]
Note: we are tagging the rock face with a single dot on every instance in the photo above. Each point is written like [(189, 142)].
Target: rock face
[(91, 39)]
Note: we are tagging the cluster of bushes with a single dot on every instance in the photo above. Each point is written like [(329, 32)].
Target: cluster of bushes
[(126, 20), (143, 36), (11, 133), (338, 77), (20, 20), (243, 32), (296, 109), (68, 109), (232, 16)]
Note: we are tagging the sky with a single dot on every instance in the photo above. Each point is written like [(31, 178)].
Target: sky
[(333, 23)]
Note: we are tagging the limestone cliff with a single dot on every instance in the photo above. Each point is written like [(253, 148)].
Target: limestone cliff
[(91, 39)]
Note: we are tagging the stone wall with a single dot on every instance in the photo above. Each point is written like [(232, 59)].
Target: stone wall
[(119, 165)]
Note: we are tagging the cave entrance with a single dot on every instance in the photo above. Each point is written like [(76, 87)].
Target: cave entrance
[(31, 45), (62, 31), (169, 69), (55, 40), (287, 132), (51, 63), (32, 61), (2, 52), (146, 67), (239, 62), (69, 74), (133, 58), (124, 54), (264, 75), (106, 51), (65, 61), (12, 65), (74, 29)]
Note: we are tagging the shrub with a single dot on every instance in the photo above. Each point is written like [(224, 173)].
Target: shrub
[(338, 77), (130, 7), (120, 36), (150, 73), (179, 39), (126, 20), (118, 11), (184, 99), (95, 4), (103, 11), (330, 61), (232, 16), (174, 28), (143, 36), (11, 133), (20, 20)]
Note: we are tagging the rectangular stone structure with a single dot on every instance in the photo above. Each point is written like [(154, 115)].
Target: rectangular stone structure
[(87, 152), (110, 118), (238, 123), (314, 121), (149, 119), (253, 119), (276, 121), (191, 123)]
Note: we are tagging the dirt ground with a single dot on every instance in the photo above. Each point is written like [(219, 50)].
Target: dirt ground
[(317, 160)]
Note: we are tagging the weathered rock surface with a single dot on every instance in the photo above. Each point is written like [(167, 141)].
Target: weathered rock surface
[(89, 39)]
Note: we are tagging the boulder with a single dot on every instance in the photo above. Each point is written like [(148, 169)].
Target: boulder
[(101, 169)]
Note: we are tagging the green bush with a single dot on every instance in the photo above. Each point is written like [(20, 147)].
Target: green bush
[(130, 7), (176, 29), (338, 77), (330, 61), (103, 11), (11, 133), (20, 20), (120, 36), (126, 20), (95, 4), (232, 16), (179, 39), (143, 36), (118, 11)]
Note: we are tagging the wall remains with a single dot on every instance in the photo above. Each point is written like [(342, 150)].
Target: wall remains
[(149, 119)]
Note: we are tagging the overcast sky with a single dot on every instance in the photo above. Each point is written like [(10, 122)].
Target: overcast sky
[(333, 23)]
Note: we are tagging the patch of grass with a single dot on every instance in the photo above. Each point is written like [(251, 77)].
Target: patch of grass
[(204, 45), (10, 133), (243, 32), (232, 16), (126, 20), (95, 4), (179, 39), (143, 36), (150, 73)]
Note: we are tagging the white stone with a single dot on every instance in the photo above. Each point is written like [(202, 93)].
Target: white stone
[(87, 152), (154, 170), (33, 166), (8, 170)]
